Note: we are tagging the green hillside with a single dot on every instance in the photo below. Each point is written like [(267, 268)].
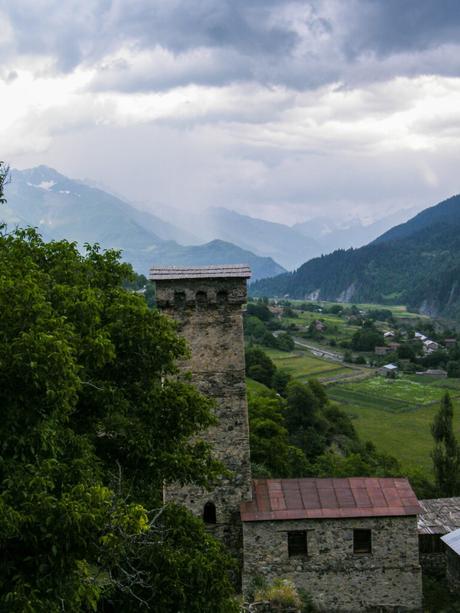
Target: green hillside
[(417, 264)]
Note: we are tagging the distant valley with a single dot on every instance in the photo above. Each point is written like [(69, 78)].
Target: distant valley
[(416, 263), (63, 208)]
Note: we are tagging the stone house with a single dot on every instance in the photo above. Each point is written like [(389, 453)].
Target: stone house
[(452, 542), (352, 543), (429, 346), (438, 373), (438, 517), (339, 538), (320, 326), (382, 350), (389, 370)]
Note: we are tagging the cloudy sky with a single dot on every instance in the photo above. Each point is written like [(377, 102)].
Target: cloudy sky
[(279, 109)]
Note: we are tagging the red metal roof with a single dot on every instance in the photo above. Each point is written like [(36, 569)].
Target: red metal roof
[(281, 499)]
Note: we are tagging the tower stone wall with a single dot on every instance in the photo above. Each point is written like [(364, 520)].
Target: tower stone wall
[(208, 311)]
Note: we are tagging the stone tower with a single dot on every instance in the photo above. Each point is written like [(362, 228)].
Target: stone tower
[(207, 304)]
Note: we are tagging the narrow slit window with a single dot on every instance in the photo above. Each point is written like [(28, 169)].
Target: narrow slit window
[(201, 298), (222, 296), (209, 513), (297, 543), (362, 541), (179, 298)]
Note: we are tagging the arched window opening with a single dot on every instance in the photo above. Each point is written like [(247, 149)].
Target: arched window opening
[(179, 298), (201, 298), (209, 513), (222, 297)]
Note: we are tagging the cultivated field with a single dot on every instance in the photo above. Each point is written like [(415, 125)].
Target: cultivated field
[(395, 415)]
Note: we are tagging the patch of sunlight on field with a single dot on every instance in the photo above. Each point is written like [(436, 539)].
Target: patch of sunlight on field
[(302, 365)]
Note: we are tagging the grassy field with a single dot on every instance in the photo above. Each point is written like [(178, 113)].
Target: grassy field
[(301, 365), (393, 395), (406, 436), (396, 415), (399, 311)]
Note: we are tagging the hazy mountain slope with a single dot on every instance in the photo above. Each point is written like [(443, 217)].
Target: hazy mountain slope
[(446, 212), (266, 238), (420, 267), (334, 236), (214, 252), (63, 208)]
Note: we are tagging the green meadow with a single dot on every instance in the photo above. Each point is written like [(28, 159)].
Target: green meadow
[(395, 415), (302, 365)]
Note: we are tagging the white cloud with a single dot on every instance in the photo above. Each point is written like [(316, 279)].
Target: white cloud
[(275, 108)]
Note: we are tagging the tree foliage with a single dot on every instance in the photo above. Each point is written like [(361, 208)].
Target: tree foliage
[(446, 452), (94, 422)]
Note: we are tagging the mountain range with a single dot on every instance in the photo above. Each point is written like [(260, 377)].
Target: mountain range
[(62, 208), (416, 263), (292, 245)]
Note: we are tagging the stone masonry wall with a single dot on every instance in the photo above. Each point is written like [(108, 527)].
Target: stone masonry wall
[(209, 316), (388, 579)]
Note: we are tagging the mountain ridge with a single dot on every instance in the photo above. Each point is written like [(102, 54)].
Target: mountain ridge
[(63, 208), (416, 263)]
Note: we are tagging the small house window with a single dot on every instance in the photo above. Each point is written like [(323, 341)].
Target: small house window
[(201, 298), (362, 541), (297, 543), (209, 513)]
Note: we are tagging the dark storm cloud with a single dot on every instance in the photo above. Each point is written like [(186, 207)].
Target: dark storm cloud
[(300, 44), (399, 26)]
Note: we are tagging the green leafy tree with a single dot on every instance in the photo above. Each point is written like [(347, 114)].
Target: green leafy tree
[(446, 452), (94, 422), (259, 366), (271, 451), (367, 338)]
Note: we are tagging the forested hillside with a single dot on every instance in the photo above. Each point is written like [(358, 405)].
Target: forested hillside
[(417, 264)]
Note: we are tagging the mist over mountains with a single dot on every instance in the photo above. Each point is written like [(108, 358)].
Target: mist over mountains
[(62, 208), (79, 211), (291, 246)]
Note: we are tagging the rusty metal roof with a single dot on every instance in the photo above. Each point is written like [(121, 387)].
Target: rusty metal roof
[(166, 273), (439, 515), (283, 499)]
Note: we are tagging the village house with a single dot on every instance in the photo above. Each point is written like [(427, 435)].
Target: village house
[(452, 543), (429, 346), (389, 370), (394, 346), (450, 342), (382, 350), (438, 373), (389, 334), (351, 542), (438, 517), (320, 326)]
